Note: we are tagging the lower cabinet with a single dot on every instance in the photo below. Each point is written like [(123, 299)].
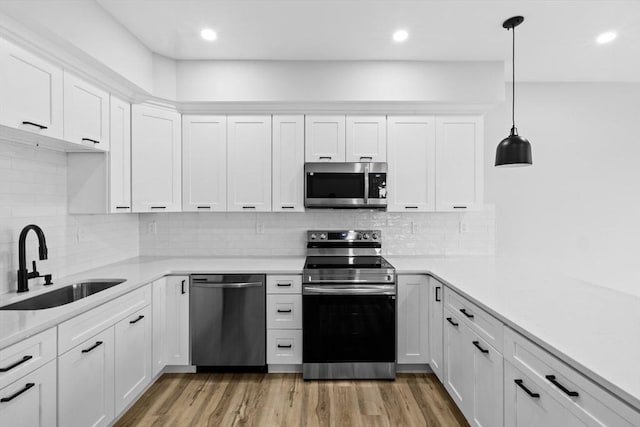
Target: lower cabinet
[(284, 322), (170, 322), (436, 317), (413, 319), (31, 400), (86, 382)]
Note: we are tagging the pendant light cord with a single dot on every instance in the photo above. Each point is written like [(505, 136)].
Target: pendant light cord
[(513, 80)]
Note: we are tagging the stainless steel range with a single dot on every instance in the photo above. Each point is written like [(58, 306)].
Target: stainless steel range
[(349, 307)]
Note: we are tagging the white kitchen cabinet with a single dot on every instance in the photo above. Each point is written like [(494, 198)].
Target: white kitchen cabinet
[(366, 139), (177, 315), (31, 400), (249, 163), (436, 325), (458, 362), (288, 163), (284, 322), (120, 156), (155, 159), (159, 326), (132, 357), (411, 177), (325, 138), (86, 382), (86, 113), (413, 319), (459, 160), (204, 163), (30, 92)]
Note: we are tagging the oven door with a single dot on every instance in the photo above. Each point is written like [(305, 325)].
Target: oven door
[(335, 185), (348, 334)]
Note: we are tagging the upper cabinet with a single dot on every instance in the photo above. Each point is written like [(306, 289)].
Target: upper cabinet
[(30, 92), (459, 157), (412, 164), (120, 156), (204, 163), (325, 139), (249, 154), (155, 159), (86, 113), (366, 139), (288, 163)]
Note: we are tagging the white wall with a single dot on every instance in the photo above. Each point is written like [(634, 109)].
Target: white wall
[(33, 190), (578, 206), (164, 77)]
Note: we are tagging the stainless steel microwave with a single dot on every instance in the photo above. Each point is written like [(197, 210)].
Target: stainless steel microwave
[(345, 185)]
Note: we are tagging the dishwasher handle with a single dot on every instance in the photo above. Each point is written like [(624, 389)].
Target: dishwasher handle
[(203, 283)]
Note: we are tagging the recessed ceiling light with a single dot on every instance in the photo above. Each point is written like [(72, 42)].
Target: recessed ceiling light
[(208, 34), (607, 37), (400, 36)]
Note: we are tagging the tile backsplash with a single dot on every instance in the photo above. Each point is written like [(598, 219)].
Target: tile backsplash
[(266, 234), (33, 190)]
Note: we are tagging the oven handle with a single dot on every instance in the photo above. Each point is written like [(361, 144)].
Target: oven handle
[(349, 290)]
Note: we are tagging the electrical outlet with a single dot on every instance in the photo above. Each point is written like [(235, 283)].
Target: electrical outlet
[(152, 228), (464, 227), (81, 235), (414, 227), (260, 227)]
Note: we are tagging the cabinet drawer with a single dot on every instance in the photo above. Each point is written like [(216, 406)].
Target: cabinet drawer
[(284, 346), (485, 325), (27, 355), (284, 311), (289, 284), (592, 404), (77, 330)]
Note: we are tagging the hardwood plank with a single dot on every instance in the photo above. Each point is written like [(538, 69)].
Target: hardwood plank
[(288, 400)]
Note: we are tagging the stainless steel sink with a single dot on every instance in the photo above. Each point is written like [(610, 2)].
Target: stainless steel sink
[(63, 295)]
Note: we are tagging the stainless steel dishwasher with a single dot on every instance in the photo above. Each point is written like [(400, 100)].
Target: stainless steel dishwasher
[(228, 326)]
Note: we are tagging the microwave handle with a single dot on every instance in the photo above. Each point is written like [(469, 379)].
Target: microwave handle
[(366, 184)]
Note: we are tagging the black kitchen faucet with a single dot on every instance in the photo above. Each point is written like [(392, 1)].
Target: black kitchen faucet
[(23, 274)]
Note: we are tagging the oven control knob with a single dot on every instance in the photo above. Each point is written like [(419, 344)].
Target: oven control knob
[(365, 236), (374, 236), (323, 236), (313, 236)]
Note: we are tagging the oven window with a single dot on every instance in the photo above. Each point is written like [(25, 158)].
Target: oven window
[(349, 328), (335, 185)]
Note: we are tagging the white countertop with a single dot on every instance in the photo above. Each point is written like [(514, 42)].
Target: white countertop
[(593, 328)]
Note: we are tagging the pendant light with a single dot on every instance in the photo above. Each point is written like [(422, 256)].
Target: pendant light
[(514, 150)]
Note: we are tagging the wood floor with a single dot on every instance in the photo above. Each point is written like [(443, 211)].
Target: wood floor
[(287, 400)]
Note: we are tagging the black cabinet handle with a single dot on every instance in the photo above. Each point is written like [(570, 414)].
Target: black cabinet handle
[(91, 140), (526, 390), (438, 299), (411, 207), (464, 311), (459, 207), (182, 288), (288, 207), (552, 380), (123, 207), (35, 124), (450, 320), (97, 344), (325, 157), (284, 311), (27, 386), (204, 207), (283, 285), (285, 346), (136, 320), (158, 207), (16, 364), (248, 207), (477, 344), (366, 157)]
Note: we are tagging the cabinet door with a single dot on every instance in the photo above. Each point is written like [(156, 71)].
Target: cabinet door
[(436, 351), (120, 156), (86, 113), (30, 92), (204, 163), (288, 163), (85, 383), (132, 357), (487, 384), (249, 162), (31, 400), (366, 139), (458, 363), (413, 319), (155, 159), (412, 165), (324, 139), (528, 405), (177, 315), (159, 327), (459, 154)]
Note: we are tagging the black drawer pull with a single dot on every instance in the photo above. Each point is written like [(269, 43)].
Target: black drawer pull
[(97, 344), (248, 207), (411, 207), (123, 207), (464, 311), (284, 311), (438, 299), (285, 346), (16, 364), (158, 207), (27, 386), (477, 344), (366, 157), (325, 157), (526, 390), (459, 207), (288, 207), (136, 320), (35, 124), (204, 207), (182, 288), (283, 285), (552, 380), (450, 320), (91, 140)]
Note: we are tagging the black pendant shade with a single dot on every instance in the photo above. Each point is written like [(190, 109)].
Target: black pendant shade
[(514, 150)]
